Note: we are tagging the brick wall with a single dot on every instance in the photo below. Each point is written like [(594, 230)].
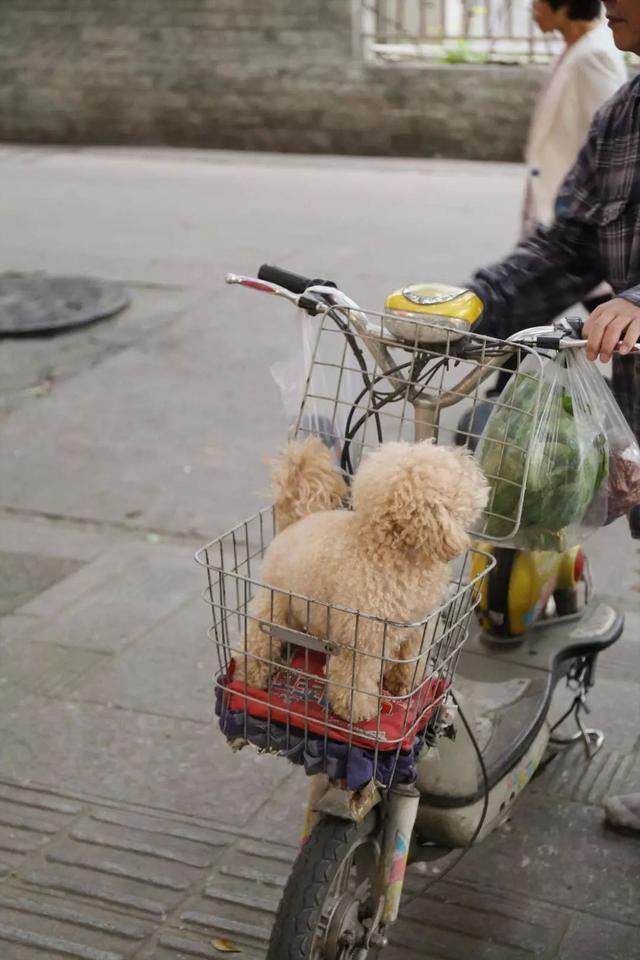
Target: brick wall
[(246, 74)]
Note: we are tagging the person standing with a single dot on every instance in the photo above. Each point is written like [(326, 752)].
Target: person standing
[(589, 70), (584, 76), (595, 236)]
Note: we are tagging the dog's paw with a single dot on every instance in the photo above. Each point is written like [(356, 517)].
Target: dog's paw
[(398, 681), (252, 672), (355, 707)]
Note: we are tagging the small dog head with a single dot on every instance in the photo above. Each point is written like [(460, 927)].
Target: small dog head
[(420, 497)]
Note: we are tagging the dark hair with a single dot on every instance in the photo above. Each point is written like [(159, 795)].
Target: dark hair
[(578, 9)]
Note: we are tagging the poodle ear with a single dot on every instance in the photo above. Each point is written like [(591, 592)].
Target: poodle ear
[(456, 504), (472, 489), (411, 515), (445, 535), (419, 497)]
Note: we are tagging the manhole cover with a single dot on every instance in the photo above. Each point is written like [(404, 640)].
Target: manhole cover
[(33, 302)]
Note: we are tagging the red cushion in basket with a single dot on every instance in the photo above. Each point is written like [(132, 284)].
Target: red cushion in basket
[(300, 701)]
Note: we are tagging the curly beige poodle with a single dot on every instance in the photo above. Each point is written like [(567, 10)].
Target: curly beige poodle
[(387, 558)]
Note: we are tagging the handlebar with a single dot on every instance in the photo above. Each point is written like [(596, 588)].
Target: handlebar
[(293, 286), (321, 297), (294, 282)]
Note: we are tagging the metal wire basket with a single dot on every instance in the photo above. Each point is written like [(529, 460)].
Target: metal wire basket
[(373, 377), (290, 713)]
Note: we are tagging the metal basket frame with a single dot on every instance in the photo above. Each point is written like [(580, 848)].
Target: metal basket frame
[(230, 562)]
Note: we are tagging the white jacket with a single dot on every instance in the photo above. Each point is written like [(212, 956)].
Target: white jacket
[(586, 76)]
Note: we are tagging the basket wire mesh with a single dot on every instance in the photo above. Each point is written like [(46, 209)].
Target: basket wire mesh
[(293, 708)]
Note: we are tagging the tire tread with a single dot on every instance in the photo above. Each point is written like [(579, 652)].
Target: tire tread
[(307, 886)]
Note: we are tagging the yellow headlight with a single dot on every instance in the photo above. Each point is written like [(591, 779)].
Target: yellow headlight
[(423, 307)]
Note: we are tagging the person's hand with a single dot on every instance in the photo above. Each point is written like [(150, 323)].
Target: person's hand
[(608, 324)]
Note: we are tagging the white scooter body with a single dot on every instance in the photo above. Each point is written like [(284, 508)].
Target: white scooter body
[(505, 693)]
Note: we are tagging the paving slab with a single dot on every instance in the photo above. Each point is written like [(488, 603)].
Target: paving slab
[(107, 877), (94, 929), (572, 776), (44, 668), (30, 534), (170, 670), (560, 853), (136, 757), (614, 708), (25, 575), (131, 592), (12, 627), (195, 884), (139, 882), (73, 590), (588, 937), (282, 820), (632, 776), (622, 661), (505, 921)]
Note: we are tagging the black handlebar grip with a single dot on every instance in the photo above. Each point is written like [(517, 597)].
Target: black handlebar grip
[(294, 282)]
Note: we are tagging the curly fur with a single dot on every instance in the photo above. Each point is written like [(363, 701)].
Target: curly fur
[(305, 480), (388, 557)]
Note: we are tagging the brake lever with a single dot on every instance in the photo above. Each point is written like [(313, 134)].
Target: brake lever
[(303, 300)]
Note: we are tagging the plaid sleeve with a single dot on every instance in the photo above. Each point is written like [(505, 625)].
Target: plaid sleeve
[(556, 267), (632, 295)]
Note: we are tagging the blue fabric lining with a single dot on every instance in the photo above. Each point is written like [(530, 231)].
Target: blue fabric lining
[(340, 761)]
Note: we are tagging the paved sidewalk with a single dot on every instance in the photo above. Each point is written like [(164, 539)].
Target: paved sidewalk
[(128, 829)]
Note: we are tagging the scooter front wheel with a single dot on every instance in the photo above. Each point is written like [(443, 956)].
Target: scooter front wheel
[(328, 910)]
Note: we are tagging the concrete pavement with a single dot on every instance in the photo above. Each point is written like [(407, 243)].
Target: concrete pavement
[(127, 828)]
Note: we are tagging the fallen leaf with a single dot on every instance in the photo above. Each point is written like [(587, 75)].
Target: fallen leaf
[(40, 389), (226, 946)]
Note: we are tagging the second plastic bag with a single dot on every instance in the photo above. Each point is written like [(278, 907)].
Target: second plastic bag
[(621, 491), (545, 452)]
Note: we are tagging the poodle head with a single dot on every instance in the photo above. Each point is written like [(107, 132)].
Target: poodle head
[(419, 497)]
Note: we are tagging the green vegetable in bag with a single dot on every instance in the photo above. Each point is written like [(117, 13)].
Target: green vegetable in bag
[(567, 461)]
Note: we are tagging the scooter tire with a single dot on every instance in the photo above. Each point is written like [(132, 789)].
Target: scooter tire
[(309, 885)]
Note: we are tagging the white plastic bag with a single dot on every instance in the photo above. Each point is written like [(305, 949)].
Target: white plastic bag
[(583, 468), (545, 437), (621, 491), (318, 381)]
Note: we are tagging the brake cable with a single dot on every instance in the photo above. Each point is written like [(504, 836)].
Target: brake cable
[(485, 779)]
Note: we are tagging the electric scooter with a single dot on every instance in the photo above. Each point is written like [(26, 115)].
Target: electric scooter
[(475, 727)]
